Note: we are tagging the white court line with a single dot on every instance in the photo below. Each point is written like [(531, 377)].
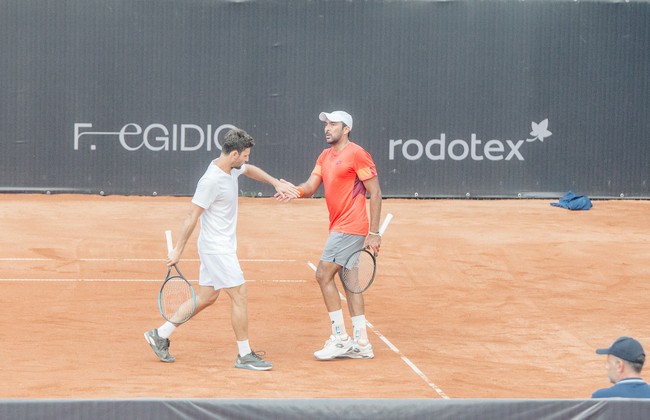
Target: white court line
[(129, 259), (46, 280), (128, 280), (407, 361), (36, 280), (396, 350)]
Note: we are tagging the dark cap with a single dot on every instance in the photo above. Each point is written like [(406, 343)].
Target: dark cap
[(625, 348)]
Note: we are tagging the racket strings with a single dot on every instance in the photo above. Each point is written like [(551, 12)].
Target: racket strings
[(177, 300), (359, 272)]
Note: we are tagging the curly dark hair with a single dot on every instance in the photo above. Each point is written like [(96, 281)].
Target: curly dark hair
[(237, 139)]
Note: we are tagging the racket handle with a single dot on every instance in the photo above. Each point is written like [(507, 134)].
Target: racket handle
[(384, 225), (168, 236)]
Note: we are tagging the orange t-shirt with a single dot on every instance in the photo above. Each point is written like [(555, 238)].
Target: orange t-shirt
[(343, 174)]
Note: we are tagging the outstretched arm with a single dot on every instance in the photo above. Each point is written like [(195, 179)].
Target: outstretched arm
[(309, 187), (285, 190), (306, 189)]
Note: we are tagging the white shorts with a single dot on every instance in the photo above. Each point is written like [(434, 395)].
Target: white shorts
[(220, 271)]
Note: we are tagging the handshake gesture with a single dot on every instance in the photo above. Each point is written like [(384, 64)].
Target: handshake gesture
[(286, 191)]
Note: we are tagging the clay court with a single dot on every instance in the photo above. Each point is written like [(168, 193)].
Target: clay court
[(474, 299)]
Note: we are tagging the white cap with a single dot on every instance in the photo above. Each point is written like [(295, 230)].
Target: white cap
[(337, 116)]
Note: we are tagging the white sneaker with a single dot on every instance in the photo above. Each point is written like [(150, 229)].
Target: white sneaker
[(334, 347), (358, 351)]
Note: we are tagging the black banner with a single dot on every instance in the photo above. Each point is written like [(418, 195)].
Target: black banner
[(452, 99)]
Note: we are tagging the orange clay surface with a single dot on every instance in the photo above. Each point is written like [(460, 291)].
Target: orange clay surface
[(478, 299)]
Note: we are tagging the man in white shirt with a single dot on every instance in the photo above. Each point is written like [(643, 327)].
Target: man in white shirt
[(215, 204)]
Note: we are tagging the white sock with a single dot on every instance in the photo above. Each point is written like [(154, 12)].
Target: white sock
[(338, 324), (244, 347), (360, 329), (166, 330)]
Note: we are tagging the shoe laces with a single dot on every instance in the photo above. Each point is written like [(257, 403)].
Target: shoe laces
[(333, 340), (259, 355), (164, 342), (330, 340)]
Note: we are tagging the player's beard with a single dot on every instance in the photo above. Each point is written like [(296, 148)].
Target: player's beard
[(238, 165), (333, 139)]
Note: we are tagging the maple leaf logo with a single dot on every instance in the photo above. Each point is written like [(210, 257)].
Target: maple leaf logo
[(540, 131)]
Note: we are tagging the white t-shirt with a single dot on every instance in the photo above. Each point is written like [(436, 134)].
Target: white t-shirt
[(217, 192)]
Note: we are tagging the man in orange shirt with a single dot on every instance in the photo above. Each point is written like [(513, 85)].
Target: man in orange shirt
[(347, 173)]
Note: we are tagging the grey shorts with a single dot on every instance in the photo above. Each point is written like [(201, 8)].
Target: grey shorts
[(340, 246)]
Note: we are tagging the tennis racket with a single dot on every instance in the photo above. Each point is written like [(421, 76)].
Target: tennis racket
[(360, 268), (177, 299)]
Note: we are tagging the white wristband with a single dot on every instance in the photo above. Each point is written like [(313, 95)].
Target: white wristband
[(374, 233)]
